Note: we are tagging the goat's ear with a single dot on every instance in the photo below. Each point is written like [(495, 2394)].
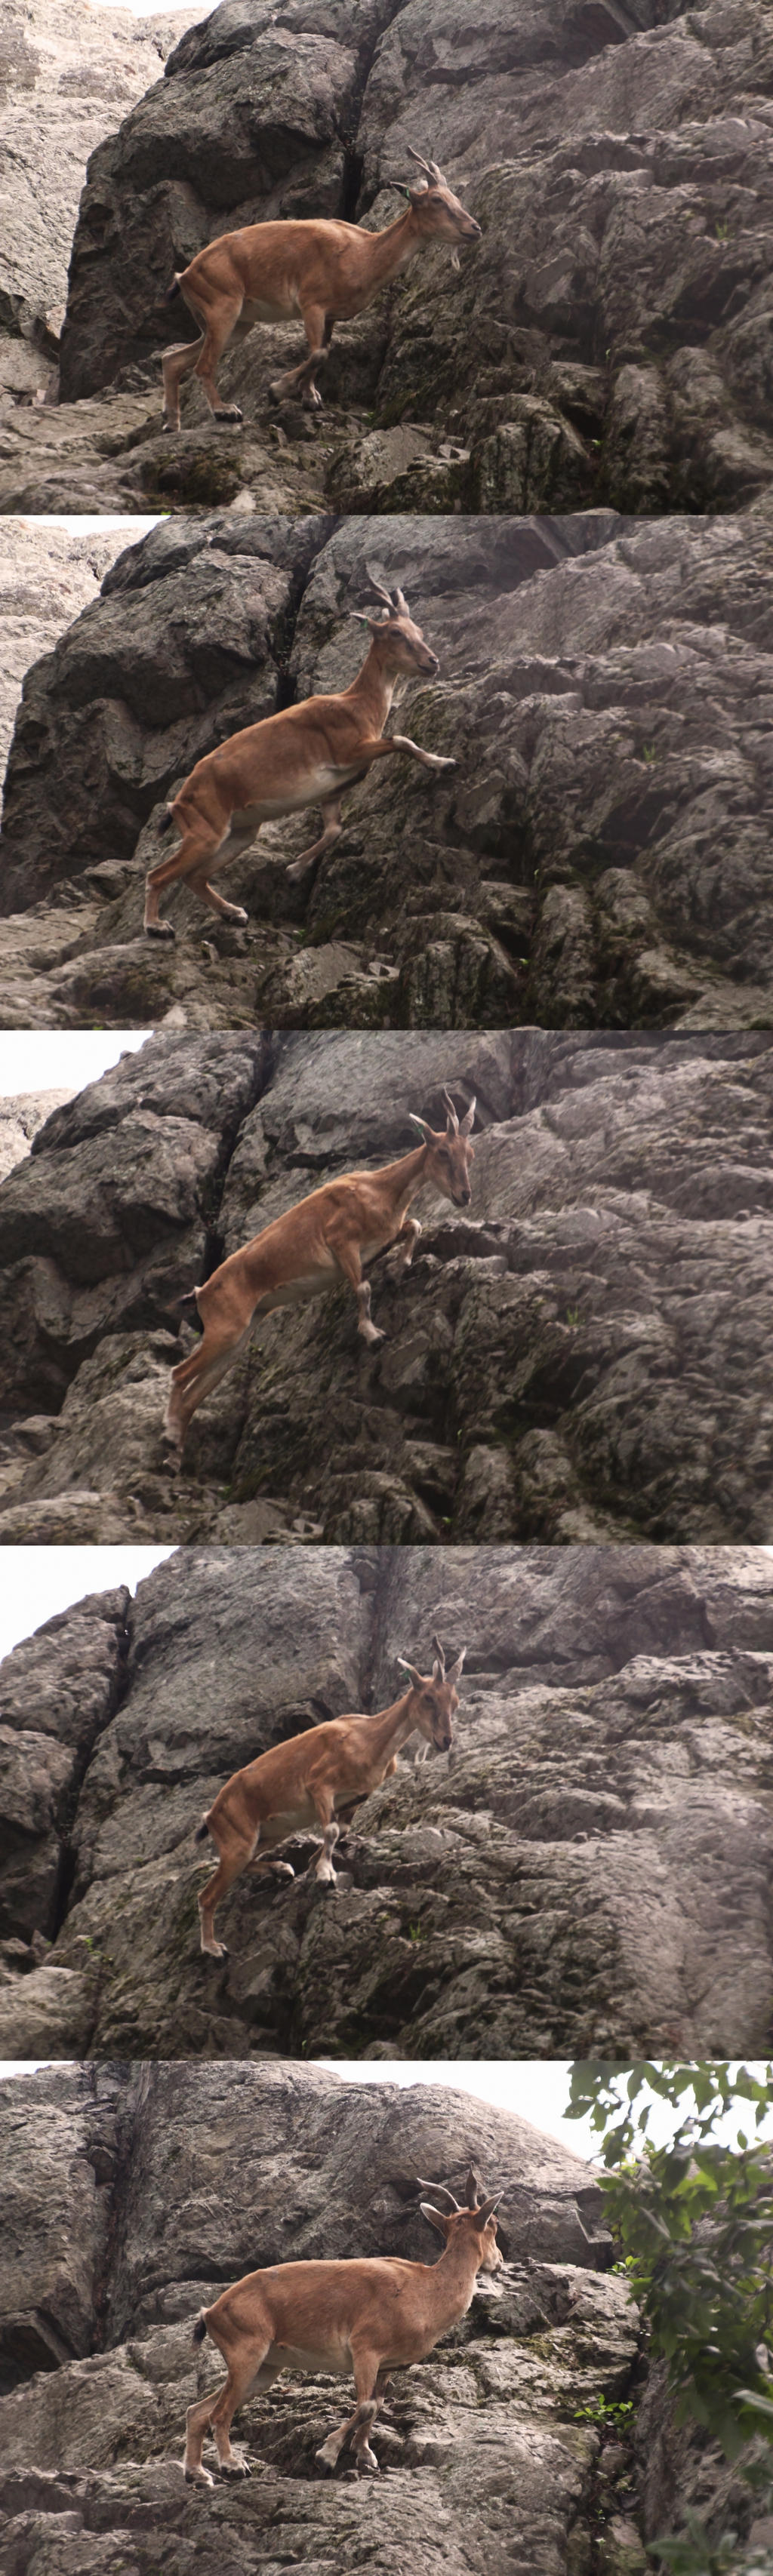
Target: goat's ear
[(467, 1121), (424, 1131), (416, 1677), (434, 2217), (482, 2215)]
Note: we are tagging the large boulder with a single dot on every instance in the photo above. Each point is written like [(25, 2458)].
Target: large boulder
[(606, 340), (69, 74), (586, 1874), (580, 1356), (599, 855)]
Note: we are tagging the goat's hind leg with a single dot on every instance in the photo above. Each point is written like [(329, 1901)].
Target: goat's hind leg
[(195, 1377), (177, 363), (191, 859), (238, 1853)]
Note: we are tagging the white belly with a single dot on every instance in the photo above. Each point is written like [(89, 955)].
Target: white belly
[(291, 1820), (334, 2359), (314, 788), (294, 1292)]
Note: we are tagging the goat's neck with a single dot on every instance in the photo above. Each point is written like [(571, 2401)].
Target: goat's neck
[(391, 250), (372, 692), (454, 2278), (391, 1727), (399, 1182)]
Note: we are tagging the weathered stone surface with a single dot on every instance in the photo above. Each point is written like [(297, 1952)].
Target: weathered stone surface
[(587, 1874), (69, 75), (606, 340), (600, 856), (21, 1114), (46, 576), (581, 1357), (57, 1693), (482, 2458)]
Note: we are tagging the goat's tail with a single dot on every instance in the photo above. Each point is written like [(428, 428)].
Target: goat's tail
[(171, 292), (200, 2327), (167, 820), (200, 1836)]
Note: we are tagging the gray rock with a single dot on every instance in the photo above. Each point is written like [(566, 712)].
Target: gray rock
[(68, 76), (586, 1875), (599, 856)]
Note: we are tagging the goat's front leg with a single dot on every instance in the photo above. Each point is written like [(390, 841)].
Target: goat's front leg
[(360, 2424), (347, 1255), (324, 1808), (333, 827), (406, 1241), (301, 379), (367, 752)]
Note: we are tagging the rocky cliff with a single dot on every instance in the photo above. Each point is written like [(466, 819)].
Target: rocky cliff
[(587, 1874), (580, 1356), (606, 341), (136, 2193), (600, 856), (68, 73), (47, 575)]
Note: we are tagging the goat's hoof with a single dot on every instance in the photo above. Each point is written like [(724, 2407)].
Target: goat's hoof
[(329, 2458), (214, 1950), (235, 2468), (229, 412), (299, 869), (237, 917), (366, 2458), (159, 930), (374, 1334), (282, 1869), (170, 428), (198, 2478)]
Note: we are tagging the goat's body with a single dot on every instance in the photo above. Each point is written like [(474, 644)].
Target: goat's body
[(320, 271), (304, 755), (363, 2315), (315, 1778)]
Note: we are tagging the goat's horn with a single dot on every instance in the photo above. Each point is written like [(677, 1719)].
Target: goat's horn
[(451, 1110), (431, 167), (400, 603), (438, 1650), (440, 2189), (378, 587), (472, 2189)]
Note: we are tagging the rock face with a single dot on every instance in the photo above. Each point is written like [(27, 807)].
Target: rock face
[(600, 856), (605, 342), (21, 1114), (137, 2194), (69, 73), (47, 575), (580, 1357), (587, 1874)]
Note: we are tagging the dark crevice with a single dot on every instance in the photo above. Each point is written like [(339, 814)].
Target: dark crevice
[(67, 1821)]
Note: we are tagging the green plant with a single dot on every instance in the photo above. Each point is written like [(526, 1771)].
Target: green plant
[(722, 228), (649, 752), (574, 1314), (694, 2221)]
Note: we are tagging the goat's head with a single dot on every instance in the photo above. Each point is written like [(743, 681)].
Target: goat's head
[(401, 641), (474, 2223), (449, 1156), (438, 215), (435, 1697)]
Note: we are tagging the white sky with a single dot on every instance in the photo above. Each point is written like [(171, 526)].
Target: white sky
[(534, 2089), (84, 527), (39, 1581), (61, 1059)]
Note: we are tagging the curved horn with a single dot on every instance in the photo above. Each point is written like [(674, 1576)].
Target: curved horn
[(431, 167), (455, 1669), (472, 2189), (468, 1118), (453, 1122), (401, 603), (425, 1132), (377, 587), (441, 2189)]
